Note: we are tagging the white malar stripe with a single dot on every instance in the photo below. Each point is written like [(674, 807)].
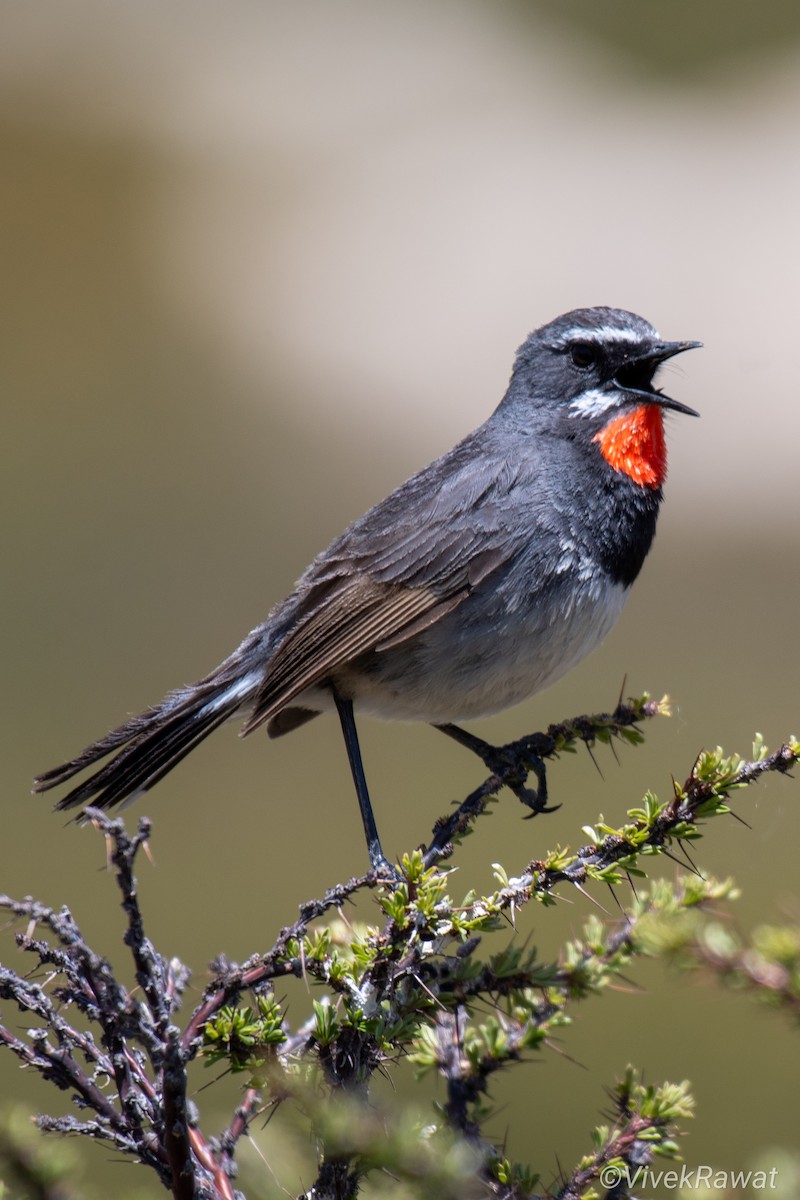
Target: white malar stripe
[(606, 333), (593, 403)]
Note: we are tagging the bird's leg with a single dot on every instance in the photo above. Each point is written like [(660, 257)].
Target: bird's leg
[(512, 763), (378, 860)]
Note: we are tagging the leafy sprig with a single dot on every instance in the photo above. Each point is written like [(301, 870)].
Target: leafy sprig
[(414, 984)]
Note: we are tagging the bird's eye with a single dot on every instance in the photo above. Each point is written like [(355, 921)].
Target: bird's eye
[(583, 354)]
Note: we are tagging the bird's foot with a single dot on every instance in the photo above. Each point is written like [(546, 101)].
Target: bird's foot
[(381, 866), (512, 763)]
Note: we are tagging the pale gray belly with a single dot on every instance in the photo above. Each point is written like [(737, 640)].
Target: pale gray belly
[(477, 660)]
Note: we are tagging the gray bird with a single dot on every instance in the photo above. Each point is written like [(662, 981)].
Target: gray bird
[(475, 584)]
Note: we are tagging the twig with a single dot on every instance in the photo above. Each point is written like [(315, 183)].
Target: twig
[(536, 747)]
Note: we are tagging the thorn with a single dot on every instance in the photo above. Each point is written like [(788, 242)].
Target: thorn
[(622, 690), (741, 820), (381, 1069), (669, 854), (303, 973), (690, 861), (616, 897), (632, 885), (593, 899), (215, 1080), (630, 989), (425, 988), (271, 1104), (345, 920), (594, 760), (576, 1062)]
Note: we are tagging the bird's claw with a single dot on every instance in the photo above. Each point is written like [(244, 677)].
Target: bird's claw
[(540, 808), (535, 800), (509, 764)]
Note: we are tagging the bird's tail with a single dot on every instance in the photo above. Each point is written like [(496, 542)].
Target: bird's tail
[(146, 747)]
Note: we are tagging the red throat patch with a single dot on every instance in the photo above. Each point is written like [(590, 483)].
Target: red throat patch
[(634, 444)]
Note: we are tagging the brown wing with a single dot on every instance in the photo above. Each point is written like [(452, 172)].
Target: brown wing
[(363, 614)]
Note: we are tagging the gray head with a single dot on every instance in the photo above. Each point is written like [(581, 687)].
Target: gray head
[(591, 361)]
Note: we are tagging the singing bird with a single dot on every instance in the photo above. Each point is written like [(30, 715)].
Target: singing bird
[(474, 585)]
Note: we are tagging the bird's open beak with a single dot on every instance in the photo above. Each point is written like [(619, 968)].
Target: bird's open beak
[(636, 375)]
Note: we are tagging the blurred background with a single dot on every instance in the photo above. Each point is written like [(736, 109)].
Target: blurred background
[(260, 262)]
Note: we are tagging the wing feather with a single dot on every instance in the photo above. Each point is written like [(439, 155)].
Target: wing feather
[(362, 616), (388, 579)]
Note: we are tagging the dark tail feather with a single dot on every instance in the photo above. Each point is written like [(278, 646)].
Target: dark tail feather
[(149, 745)]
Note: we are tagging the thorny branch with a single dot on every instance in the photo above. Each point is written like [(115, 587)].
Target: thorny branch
[(410, 983), (525, 752)]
